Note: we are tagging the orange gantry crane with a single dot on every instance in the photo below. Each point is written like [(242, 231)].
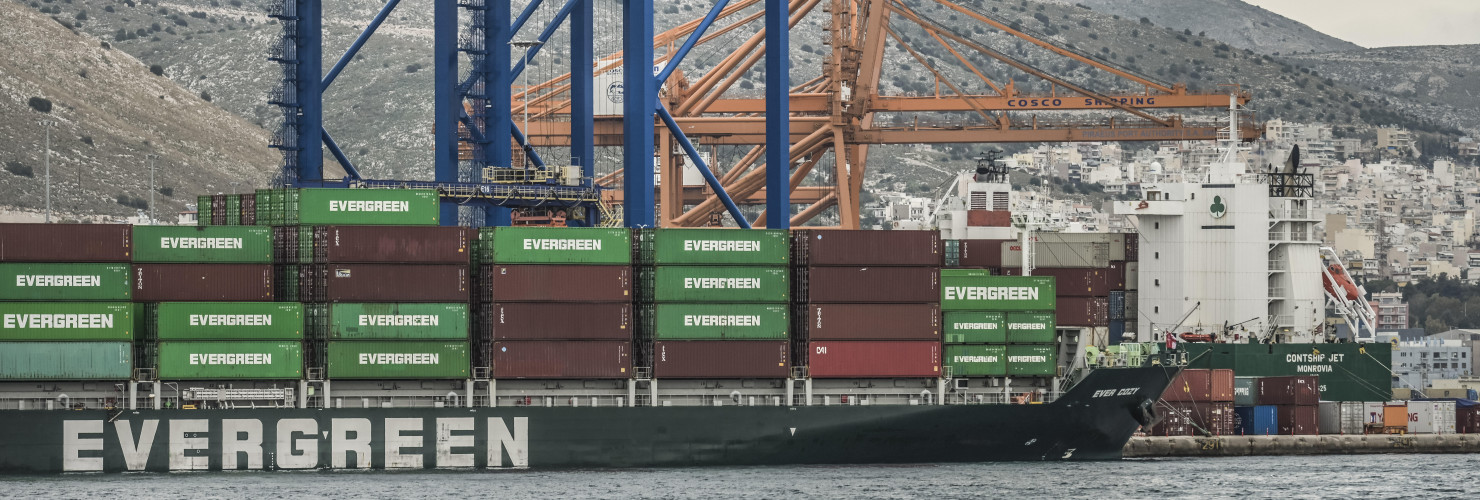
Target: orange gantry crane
[(840, 111)]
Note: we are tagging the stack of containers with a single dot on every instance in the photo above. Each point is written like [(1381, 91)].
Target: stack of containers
[(998, 325), (207, 295), (1206, 397), (1297, 399), (555, 303), (867, 303), (387, 302), (64, 302), (714, 303), (226, 210)]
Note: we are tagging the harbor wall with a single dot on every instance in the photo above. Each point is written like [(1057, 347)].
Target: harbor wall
[(1236, 446)]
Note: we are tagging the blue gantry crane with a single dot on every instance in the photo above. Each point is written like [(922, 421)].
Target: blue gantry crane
[(481, 105)]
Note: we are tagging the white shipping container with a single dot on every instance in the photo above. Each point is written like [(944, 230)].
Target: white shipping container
[(1353, 417), (1372, 413), (1431, 417), (1059, 254)]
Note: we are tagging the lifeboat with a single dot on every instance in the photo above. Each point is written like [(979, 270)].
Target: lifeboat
[(1342, 280)]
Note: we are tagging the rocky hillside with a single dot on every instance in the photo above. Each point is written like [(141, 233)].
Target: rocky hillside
[(110, 112), (1234, 22), (1438, 82)]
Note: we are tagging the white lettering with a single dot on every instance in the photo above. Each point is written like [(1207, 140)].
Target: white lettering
[(720, 320), (136, 451), (991, 293), (301, 453), (721, 246), (231, 320), (734, 283), (249, 358), (201, 243), (1027, 326), (73, 445), (446, 441), (515, 443), (561, 244), (977, 326), (1027, 359), (976, 359), (57, 280), (181, 446), (369, 206), (400, 358), (400, 320), (342, 444), (396, 439), (241, 436), (58, 321)]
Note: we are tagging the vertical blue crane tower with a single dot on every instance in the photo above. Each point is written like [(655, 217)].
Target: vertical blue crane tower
[(481, 104)]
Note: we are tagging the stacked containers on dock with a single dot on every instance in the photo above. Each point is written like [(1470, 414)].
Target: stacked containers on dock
[(382, 302), (999, 325), (714, 303), (866, 303), (65, 311), (1297, 399), (206, 295), (1206, 398), (554, 303)]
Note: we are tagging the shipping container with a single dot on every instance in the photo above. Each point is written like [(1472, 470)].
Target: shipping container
[(1298, 420), (373, 207), (874, 359), (975, 327), (952, 256), (53, 321), (1431, 417), (717, 284), (560, 359), (1190, 385), (982, 253), (1031, 328), (1222, 385), (721, 359), (66, 360), (679, 321), (202, 282), (1258, 420), (1176, 420), (1352, 417), (1115, 275), (65, 243), (1210, 418), (1083, 311), (1373, 415), (535, 283), (1117, 329), (384, 283), (1292, 390), (249, 209), (215, 244), (988, 218), (828, 247), (559, 321), (1395, 416), (1032, 360), (228, 321), (1402, 393), (65, 282), (230, 360), (1132, 247), (976, 360), (552, 245), (976, 290), (1433, 393), (751, 247), (398, 359), (392, 244), (869, 322), (1116, 303), (868, 284), (1132, 277), (1072, 281), (398, 321), (1068, 250), (1467, 420), (1340, 417)]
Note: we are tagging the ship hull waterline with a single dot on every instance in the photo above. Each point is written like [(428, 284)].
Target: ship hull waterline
[(1093, 421)]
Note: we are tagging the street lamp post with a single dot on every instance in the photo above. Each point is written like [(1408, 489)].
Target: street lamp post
[(526, 45), (48, 124), (152, 220)]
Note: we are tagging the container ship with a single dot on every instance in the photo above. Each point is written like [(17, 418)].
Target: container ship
[(331, 329)]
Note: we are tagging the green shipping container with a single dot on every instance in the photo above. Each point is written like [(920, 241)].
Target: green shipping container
[(216, 360), (751, 247), (1033, 360), (720, 321), (66, 360), (717, 284), (228, 321), (975, 327), (203, 210), (398, 321), (67, 321), (554, 245), (233, 210), (1031, 328), (976, 290), (394, 359), (976, 360), (1348, 372), (221, 244), (65, 282), (379, 207)]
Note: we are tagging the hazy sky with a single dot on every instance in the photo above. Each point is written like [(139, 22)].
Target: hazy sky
[(1385, 23)]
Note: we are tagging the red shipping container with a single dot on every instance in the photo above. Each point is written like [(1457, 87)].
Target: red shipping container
[(871, 322), (868, 284), (1115, 275), (1191, 385), (1298, 420), (721, 359), (982, 253), (66, 243), (1132, 248), (249, 210), (1216, 418), (1222, 384), (391, 244), (384, 283), (988, 218), (1289, 390), (832, 247), (1176, 419), (562, 359), (1467, 420), (1083, 311), (558, 321), (556, 283), (873, 359), (1072, 281), (202, 282)]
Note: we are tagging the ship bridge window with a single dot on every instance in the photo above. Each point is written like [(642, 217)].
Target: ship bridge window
[(1157, 225), (1194, 196)]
